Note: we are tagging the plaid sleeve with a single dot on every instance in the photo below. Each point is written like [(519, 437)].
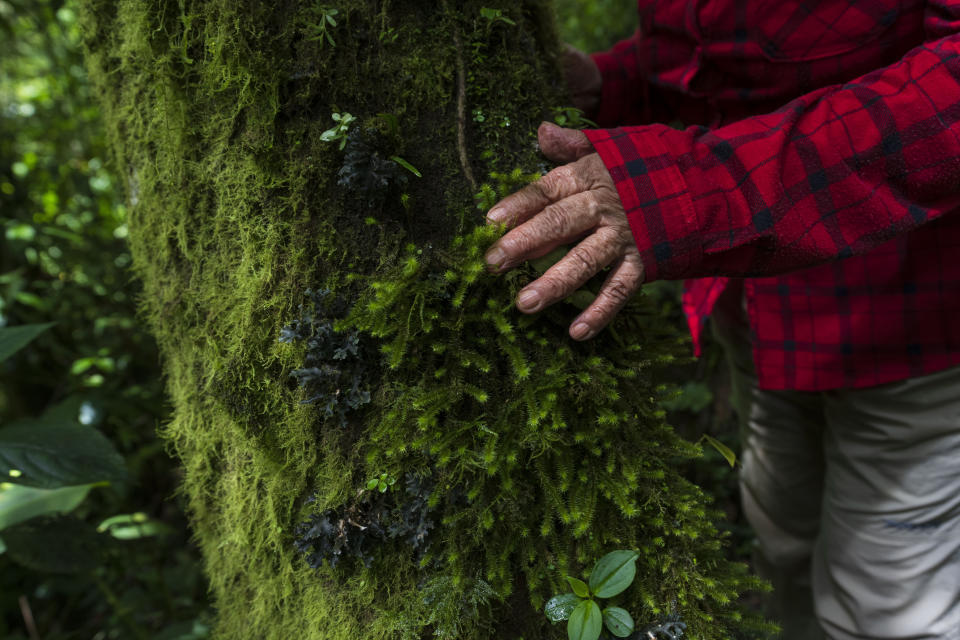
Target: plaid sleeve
[(831, 174)]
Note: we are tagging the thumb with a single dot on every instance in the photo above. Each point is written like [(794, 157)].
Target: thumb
[(562, 145)]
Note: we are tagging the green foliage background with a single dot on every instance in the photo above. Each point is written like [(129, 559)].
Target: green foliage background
[(64, 258)]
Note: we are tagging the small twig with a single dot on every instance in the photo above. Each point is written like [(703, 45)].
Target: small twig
[(28, 621), (462, 111)]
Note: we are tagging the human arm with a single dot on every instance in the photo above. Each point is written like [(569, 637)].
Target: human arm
[(831, 174), (836, 172)]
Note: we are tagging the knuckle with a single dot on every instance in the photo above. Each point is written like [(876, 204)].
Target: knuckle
[(582, 260), (558, 180), (552, 287), (516, 243), (594, 207), (593, 168), (614, 237), (528, 197), (609, 197), (618, 292), (634, 274), (555, 217)]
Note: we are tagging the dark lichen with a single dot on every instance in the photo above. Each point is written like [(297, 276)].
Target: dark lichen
[(358, 529), (334, 375), (368, 174)]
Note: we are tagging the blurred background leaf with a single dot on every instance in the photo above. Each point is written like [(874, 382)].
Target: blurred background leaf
[(57, 544), (47, 455), (598, 24), (19, 503), (92, 379), (12, 339)]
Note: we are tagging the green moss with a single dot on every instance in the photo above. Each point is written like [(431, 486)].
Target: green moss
[(546, 453)]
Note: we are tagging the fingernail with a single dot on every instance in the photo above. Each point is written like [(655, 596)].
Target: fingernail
[(495, 258), (496, 215), (581, 331), (528, 300)]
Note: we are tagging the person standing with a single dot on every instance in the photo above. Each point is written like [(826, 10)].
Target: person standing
[(811, 205)]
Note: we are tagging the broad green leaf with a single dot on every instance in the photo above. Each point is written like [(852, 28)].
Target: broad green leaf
[(586, 621), (19, 503), (12, 339), (618, 621), (560, 607), (724, 450), (613, 573), (579, 587), (3, 546), (50, 454), (66, 411), (55, 544)]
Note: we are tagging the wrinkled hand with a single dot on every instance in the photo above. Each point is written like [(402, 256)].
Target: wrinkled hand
[(575, 201)]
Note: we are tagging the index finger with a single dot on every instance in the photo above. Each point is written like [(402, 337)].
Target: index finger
[(562, 182)]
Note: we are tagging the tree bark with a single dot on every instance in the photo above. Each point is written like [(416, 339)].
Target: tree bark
[(452, 459)]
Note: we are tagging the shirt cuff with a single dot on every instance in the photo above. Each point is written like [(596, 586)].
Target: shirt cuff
[(655, 197)]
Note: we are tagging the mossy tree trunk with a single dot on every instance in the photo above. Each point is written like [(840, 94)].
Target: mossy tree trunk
[(452, 460)]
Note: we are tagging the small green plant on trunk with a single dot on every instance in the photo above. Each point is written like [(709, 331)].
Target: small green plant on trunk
[(585, 620)]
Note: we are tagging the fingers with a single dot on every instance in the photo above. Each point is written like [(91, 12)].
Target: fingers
[(579, 265), (562, 182), (562, 145), (557, 224), (624, 280)]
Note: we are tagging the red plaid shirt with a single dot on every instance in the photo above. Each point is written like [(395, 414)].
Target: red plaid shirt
[(824, 169)]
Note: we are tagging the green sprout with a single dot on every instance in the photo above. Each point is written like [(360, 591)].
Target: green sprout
[(381, 483), (325, 22), (571, 117), (496, 15), (585, 620), (339, 130)]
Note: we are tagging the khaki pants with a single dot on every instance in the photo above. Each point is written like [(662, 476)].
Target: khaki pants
[(855, 499)]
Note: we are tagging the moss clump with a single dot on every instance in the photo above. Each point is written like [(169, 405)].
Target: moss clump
[(542, 454)]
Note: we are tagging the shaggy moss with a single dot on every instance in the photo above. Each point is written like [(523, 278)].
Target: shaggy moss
[(544, 454)]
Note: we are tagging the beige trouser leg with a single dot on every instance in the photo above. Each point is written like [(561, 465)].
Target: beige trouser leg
[(887, 564), (855, 499)]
